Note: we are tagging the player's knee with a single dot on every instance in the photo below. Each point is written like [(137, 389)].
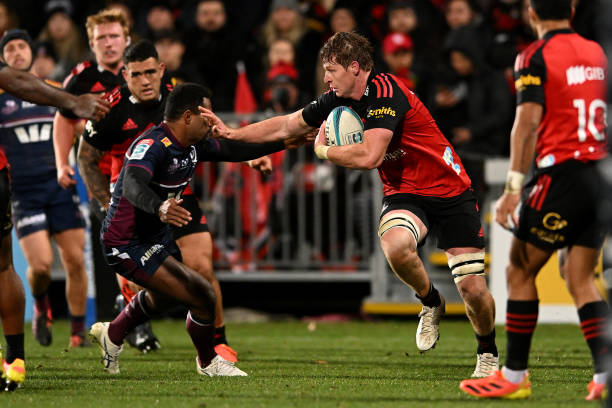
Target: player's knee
[(203, 267), (467, 265), (397, 227), (40, 267), (398, 253)]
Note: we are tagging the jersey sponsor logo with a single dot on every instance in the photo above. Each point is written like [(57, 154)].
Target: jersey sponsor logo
[(579, 74), (167, 142), (89, 129), (150, 252), (553, 221), (448, 158), (395, 155), (140, 149), (97, 87), (34, 133), (10, 107), (129, 125), (527, 80), (32, 220), (377, 113)]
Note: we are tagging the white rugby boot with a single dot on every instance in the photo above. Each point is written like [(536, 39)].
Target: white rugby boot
[(428, 330), (219, 367), (110, 351), (486, 365)]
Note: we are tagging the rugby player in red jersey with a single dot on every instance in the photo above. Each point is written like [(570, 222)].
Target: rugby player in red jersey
[(560, 119), (426, 188)]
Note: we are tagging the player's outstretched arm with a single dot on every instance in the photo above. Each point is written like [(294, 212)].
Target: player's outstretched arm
[(28, 87), (88, 159), (270, 130)]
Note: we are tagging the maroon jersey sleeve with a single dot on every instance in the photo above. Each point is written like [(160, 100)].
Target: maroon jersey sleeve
[(530, 75), (389, 106)]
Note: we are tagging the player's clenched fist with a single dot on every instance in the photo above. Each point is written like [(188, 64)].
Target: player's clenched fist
[(171, 212)]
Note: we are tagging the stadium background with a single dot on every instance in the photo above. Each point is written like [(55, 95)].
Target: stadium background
[(261, 56)]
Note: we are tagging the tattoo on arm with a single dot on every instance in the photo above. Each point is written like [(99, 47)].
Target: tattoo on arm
[(97, 183)]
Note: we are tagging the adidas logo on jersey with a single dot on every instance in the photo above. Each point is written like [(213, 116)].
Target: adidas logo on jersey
[(129, 125), (97, 87), (580, 74)]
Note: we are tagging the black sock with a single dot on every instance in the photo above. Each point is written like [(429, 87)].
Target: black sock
[(220, 335), (593, 317), (14, 347), (486, 343), (521, 320), (432, 299), (77, 324)]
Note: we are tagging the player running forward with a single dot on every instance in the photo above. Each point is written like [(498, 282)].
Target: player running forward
[(560, 118), (41, 208), (12, 298), (425, 186), (137, 106), (137, 240)]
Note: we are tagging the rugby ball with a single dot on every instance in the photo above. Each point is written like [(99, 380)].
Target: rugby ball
[(343, 127)]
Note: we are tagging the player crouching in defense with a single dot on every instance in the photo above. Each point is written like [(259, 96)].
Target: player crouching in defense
[(136, 236), (426, 188)]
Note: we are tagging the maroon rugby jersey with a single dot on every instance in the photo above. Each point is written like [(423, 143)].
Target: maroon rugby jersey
[(565, 73), (419, 159)]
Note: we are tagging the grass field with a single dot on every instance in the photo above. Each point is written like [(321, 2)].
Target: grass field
[(353, 364)]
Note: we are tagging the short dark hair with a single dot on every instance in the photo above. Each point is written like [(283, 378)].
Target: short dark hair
[(139, 51), (345, 48), (552, 9), (186, 96)]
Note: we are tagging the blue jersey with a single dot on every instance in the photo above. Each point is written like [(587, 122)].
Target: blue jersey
[(26, 133)]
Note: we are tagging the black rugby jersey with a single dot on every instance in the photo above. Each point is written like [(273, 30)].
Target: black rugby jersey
[(89, 77), (126, 120)]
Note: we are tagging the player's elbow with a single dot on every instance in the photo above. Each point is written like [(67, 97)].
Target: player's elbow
[(373, 161)]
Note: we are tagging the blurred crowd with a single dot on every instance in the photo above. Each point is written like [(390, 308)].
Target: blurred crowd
[(456, 55)]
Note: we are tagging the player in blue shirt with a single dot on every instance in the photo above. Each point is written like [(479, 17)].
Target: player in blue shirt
[(40, 207), (136, 237)]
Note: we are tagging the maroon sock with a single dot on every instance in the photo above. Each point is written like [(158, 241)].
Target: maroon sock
[(134, 314), (202, 334)]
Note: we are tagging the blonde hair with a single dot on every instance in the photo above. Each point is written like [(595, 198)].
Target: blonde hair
[(107, 16)]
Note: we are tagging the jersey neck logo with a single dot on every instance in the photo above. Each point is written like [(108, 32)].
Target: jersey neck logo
[(129, 125), (97, 87)]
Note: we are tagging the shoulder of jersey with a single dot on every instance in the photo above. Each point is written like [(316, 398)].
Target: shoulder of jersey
[(382, 84), (523, 58), (78, 70)]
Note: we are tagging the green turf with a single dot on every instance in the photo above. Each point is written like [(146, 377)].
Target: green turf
[(335, 365)]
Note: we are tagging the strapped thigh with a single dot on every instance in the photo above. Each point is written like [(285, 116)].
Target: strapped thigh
[(464, 265), (395, 219)]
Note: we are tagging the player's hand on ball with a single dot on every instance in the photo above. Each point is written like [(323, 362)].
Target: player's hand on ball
[(218, 128), (171, 212), (505, 207)]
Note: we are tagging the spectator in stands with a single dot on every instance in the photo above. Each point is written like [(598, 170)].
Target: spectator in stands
[(286, 22), (397, 51), (158, 17), (62, 32), (44, 62), (215, 48), (474, 108), (171, 49), (342, 18), (8, 18)]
